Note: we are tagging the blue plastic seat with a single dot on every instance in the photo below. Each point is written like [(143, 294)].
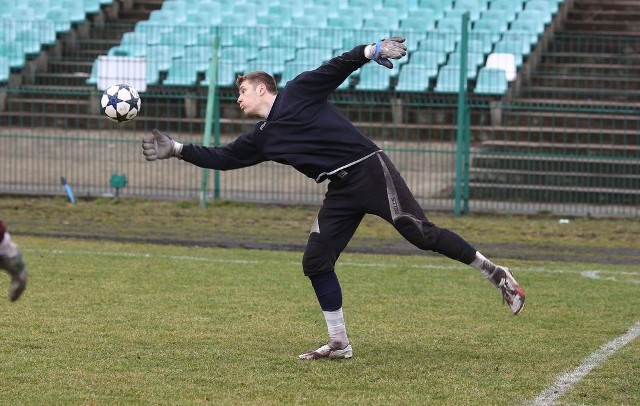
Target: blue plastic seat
[(5, 69), (181, 73), (293, 69), (448, 80), (491, 81), (60, 18), (14, 53), (374, 77), (414, 78)]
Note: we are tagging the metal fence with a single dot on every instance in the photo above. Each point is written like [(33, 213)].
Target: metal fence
[(560, 139)]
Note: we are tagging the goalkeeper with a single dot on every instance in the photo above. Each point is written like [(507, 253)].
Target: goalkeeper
[(12, 262), (300, 128)]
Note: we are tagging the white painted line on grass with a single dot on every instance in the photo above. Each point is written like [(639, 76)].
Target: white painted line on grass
[(592, 274), (569, 379)]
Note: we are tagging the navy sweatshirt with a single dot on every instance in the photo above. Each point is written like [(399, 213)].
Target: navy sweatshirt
[(303, 129)]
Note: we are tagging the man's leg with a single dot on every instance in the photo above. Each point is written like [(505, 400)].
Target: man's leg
[(335, 225), (11, 261), (397, 205)]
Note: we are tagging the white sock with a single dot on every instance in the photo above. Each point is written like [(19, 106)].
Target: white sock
[(482, 264), (337, 330)]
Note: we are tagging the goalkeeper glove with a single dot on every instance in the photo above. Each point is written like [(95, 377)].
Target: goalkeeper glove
[(159, 145), (385, 49)]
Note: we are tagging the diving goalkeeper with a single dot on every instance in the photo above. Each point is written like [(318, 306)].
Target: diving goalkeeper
[(12, 262), (300, 128)]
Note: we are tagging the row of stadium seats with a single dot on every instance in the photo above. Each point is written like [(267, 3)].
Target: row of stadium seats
[(176, 39), (26, 26)]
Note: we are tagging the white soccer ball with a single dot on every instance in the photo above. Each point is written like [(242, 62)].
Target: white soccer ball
[(120, 103)]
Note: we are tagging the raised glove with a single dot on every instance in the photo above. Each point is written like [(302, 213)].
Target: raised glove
[(385, 49), (159, 145)]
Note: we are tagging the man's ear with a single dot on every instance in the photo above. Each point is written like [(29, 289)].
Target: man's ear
[(261, 89)]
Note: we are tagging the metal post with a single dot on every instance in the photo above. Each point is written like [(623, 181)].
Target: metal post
[(461, 147), (211, 107)]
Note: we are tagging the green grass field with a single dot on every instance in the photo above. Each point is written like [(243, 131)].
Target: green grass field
[(116, 323)]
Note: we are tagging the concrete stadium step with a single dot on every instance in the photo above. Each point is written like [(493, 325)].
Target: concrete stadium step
[(598, 119), (553, 194), (586, 96), (590, 149), (581, 81), (558, 163)]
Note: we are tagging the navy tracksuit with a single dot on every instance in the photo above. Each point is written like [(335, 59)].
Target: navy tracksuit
[(305, 131)]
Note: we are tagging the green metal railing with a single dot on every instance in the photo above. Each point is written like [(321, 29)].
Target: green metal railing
[(531, 149)]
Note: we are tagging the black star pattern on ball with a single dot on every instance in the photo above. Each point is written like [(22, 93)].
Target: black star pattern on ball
[(114, 100)]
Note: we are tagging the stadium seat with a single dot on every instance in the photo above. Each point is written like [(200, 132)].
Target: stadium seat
[(439, 42), (547, 7), (293, 69), (414, 78), (5, 69), (76, 10), (374, 77), (491, 81), (474, 7), (474, 60), (29, 41), (439, 7), (181, 73), (60, 18), (14, 53), (532, 23), (46, 31), (428, 59), (227, 74), (506, 62), (448, 80), (345, 22), (313, 56), (514, 43), (160, 56), (199, 55), (507, 5)]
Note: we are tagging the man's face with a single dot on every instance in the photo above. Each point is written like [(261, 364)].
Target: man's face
[(249, 97)]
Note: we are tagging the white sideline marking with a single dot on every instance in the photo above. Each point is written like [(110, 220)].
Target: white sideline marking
[(567, 380), (591, 274)]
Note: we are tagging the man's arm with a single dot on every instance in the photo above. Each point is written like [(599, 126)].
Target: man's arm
[(238, 154), (321, 82)]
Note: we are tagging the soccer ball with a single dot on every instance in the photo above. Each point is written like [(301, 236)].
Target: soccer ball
[(120, 103)]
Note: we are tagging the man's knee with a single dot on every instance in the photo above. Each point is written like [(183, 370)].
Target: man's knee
[(317, 258)]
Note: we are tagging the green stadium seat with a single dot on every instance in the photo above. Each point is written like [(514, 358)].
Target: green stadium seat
[(75, 8), (491, 81), (46, 31), (92, 80), (347, 22), (151, 31), (160, 56), (39, 7), (428, 59), (474, 60), (199, 55), (439, 7), (514, 43), (418, 23), (374, 77), (30, 41), (313, 56), (448, 80), (5, 69), (293, 69), (181, 73), (414, 78), (91, 6), (512, 6), (548, 8), (531, 22), (227, 74), (14, 53), (474, 7), (438, 42)]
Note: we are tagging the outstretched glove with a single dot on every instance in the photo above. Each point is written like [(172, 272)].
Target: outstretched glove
[(385, 49), (159, 145)]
